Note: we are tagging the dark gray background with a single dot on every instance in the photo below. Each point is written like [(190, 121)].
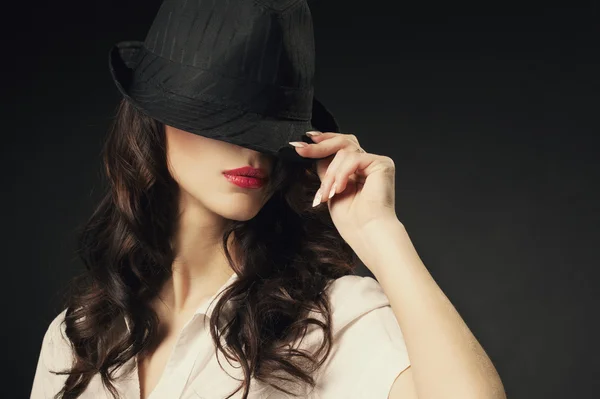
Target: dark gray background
[(490, 112)]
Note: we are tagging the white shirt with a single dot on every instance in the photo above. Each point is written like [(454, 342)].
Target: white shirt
[(367, 355)]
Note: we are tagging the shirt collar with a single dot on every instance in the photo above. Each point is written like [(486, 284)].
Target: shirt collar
[(204, 308)]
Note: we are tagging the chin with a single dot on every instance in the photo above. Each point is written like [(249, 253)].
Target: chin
[(239, 210), (239, 215)]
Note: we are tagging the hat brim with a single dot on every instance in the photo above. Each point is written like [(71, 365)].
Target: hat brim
[(234, 125)]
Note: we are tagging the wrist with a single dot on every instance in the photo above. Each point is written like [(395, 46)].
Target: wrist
[(375, 228), (375, 238)]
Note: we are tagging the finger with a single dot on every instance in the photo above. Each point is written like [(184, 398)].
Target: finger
[(354, 163), (329, 177), (318, 136), (327, 147), (326, 135)]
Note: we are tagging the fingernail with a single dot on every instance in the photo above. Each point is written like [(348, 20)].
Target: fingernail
[(332, 192), (298, 144), (317, 199), (314, 133)]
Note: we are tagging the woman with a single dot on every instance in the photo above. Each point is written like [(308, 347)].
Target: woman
[(213, 241)]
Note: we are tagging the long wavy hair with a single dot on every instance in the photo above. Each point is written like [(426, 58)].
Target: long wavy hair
[(289, 253)]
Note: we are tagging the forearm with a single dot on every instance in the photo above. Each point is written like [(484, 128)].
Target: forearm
[(447, 360)]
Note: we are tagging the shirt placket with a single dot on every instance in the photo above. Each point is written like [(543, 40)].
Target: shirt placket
[(179, 366)]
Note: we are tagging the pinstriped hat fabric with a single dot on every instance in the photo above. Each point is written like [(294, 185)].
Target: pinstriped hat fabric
[(240, 71)]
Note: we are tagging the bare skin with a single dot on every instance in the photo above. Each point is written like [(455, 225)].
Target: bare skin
[(208, 200)]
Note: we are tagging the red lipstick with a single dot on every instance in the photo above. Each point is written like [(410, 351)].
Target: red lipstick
[(246, 177)]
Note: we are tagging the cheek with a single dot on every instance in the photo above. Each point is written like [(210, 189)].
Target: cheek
[(191, 167), (192, 174)]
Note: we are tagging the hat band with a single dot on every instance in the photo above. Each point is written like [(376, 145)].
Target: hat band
[(172, 78)]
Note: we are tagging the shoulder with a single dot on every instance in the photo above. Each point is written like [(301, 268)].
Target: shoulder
[(368, 351), (56, 329), (55, 355), (56, 347), (353, 296), (347, 287)]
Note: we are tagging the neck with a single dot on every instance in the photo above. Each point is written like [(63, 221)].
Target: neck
[(200, 266)]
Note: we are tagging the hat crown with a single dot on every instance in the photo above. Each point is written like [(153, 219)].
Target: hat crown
[(269, 42), (240, 71)]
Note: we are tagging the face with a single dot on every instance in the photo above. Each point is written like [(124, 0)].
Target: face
[(197, 164)]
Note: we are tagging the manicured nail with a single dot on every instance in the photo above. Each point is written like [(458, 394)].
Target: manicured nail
[(314, 133), (332, 192), (298, 144), (317, 199)]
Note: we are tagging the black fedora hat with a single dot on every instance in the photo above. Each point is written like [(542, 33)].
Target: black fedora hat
[(240, 71)]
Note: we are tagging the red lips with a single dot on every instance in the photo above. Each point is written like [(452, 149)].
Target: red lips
[(247, 171), (246, 177)]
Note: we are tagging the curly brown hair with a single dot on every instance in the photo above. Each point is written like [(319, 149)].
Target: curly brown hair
[(291, 252)]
